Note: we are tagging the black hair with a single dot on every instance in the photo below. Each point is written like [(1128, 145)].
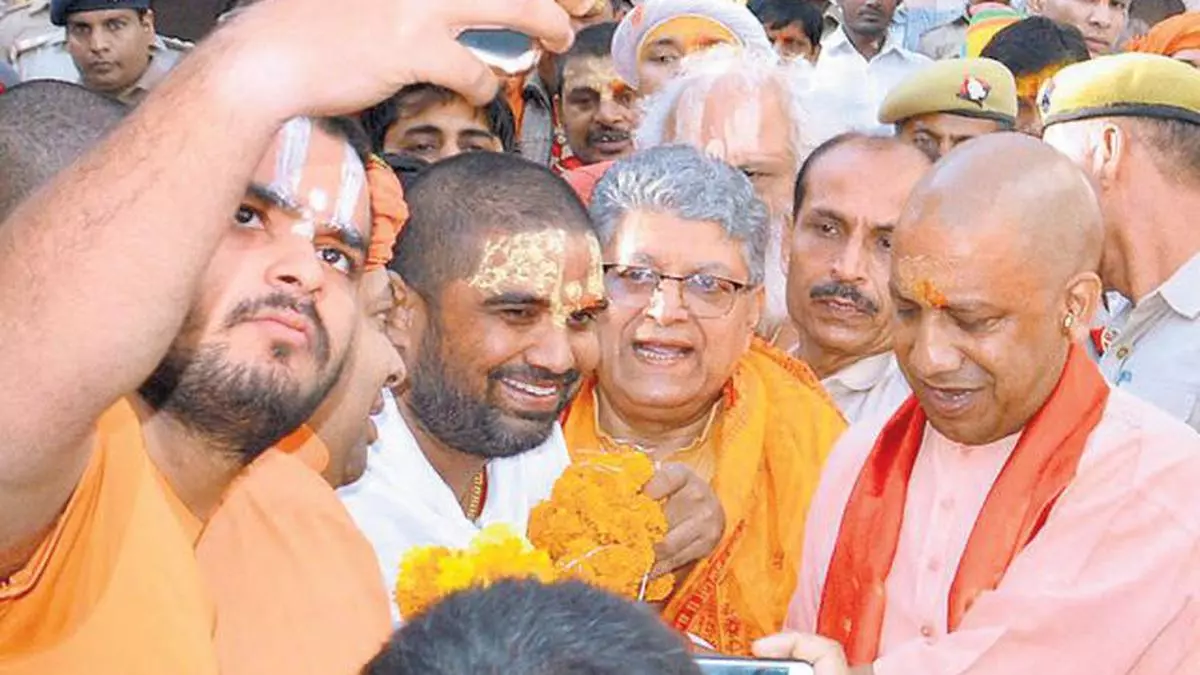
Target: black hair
[(595, 41), (848, 138), (534, 629), (455, 203), (1034, 44), (379, 119), (348, 129), (45, 125), (777, 14)]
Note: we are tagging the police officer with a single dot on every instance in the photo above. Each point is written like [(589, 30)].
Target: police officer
[(948, 102), (108, 45)]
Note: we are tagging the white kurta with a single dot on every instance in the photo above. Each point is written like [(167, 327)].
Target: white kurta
[(402, 502)]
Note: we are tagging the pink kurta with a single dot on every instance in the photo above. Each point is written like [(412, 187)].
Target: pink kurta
[(1110, 585)]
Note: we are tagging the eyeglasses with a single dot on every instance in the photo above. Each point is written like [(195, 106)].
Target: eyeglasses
[(706, 296)]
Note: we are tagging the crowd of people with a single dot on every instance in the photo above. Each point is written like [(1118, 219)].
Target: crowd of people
[(905, 311)]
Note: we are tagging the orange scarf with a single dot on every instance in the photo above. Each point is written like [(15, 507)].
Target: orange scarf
[(766, 448), (1039, 469), (1175, 34)]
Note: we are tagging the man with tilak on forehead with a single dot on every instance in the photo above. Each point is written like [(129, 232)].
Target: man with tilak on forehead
[(499, 285), (217, 252), (1016, 509)]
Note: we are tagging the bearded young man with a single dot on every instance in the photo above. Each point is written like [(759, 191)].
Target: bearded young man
[(240, 323), (501, 281)]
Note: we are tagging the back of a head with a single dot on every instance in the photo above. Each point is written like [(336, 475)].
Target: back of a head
[(778, 14), (533, 629), (455, 204), (1034, 44), (46, 125)]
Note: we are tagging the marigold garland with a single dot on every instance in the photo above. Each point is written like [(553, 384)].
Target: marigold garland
[(430, 573), (596, 527), (599, 528)]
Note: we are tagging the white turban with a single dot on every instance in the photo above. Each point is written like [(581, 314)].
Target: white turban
[(653, 13)]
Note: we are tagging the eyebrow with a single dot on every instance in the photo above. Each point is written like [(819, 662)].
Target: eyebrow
[(423, 130), (516, 298), (477, 134), (834, 215), (346, 233)]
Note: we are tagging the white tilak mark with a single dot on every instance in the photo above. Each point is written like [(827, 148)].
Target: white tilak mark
[(305, 229), (293, 153), (318, 200), (353, 179)]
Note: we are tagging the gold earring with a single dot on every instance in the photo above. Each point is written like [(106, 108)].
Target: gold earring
[(1068, 321)]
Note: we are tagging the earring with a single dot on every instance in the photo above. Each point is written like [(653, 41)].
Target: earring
[(1068, 321)]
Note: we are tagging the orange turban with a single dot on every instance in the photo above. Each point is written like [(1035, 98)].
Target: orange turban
[(388, 211), (1176, 34)]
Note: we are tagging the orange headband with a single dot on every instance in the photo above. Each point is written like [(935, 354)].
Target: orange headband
[(388, 211), (1176, 34)]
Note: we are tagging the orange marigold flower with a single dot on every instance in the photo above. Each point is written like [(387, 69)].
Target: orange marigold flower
[(599, 528)]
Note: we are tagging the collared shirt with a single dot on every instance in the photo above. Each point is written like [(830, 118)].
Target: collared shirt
[(1111, 583), (401, 501), (945, 41), (46, 58), (537, 124), (870, 387), (1154, 346), (854, 87)]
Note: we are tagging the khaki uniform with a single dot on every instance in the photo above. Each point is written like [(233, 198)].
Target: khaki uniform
[(43, 55), (946, 41)]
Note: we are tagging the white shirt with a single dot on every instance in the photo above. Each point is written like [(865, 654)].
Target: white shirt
[(871, 387), (852, 88), (401, 501), (1155, 346)]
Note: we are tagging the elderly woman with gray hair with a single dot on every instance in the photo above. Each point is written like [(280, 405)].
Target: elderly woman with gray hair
[(683, 378)]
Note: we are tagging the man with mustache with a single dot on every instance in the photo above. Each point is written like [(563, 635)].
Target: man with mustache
[(849, 195), (499, 284), (1016, 508), (214, 243), (598, 111)]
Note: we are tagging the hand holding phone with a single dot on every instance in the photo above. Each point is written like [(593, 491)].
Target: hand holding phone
[(720, 665)]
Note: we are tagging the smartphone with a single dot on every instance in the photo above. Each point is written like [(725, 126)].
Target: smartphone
[(508, 52), (720, 665)]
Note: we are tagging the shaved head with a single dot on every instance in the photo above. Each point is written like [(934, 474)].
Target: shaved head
[(994, 277), (45, 126), (1019, 188), (457, 203)]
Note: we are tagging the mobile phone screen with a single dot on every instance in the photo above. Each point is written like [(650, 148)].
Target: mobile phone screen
[(507, 51), (716, 665)]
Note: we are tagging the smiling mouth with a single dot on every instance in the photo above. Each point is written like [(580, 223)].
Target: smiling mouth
[(950, 402), (661, 354), (531, 390)]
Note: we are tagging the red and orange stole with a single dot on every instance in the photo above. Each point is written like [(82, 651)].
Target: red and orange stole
[(1040, 468), (765, 453)]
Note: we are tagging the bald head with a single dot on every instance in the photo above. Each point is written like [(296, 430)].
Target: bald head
[(994, 278), (456, 204), (1017, 187), (45, 126)]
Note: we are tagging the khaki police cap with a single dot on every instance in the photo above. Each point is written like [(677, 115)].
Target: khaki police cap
[(1123, 85), (969, 87)]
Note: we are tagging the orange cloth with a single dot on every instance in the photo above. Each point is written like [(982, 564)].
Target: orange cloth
[(514, 93), (389, 212), (296, 584), (584, 179), (1175, 34), (305, 445), (1040, 468), (767, 447), (114, 589)]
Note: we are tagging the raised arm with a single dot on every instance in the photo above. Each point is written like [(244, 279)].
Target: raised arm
[(98, 269)]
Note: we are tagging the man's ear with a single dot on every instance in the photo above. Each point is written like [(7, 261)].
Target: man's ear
[(407, 319), (148, 20)]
